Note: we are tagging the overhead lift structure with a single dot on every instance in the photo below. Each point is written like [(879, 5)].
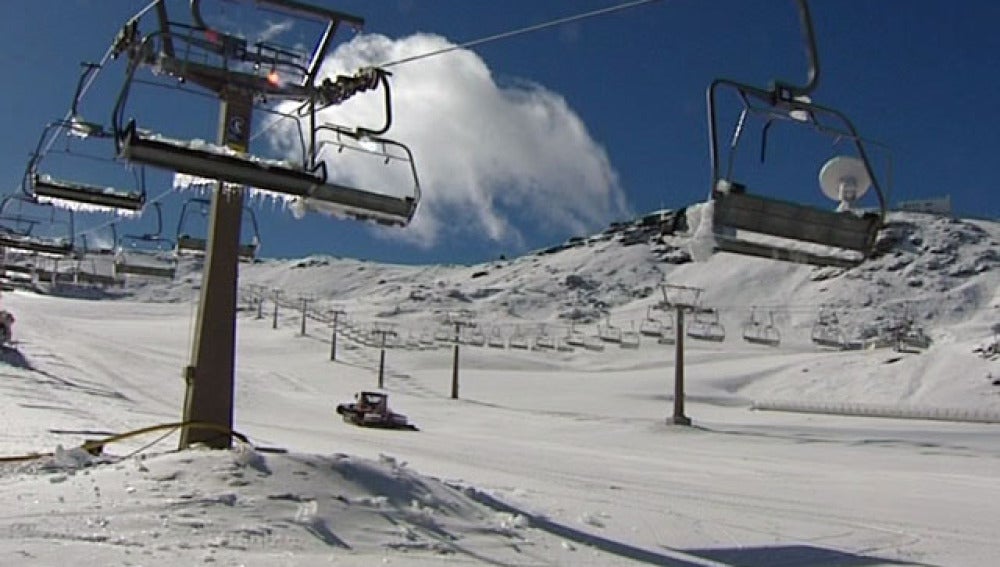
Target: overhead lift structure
[(242, 73)]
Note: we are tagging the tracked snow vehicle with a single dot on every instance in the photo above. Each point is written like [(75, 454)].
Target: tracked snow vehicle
[(371, 409)]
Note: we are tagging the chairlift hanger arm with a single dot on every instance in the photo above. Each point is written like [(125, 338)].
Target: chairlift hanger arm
[(346, 86), (88, 70), (812, 55)]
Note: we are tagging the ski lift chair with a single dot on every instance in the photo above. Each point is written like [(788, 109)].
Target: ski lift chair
[(518, 340), (851, 236), (574, 338), (187, 243), (412, 341), (444, 334), (497, 338), (667, 337), (220, 62), (912, 340), (630, 338), (76, 194), (23, 219), (149, 255), (594, 343), (760, 333), (651, 326), (563, 344), (706, 326), (544, 340), (827, 332), (475, 337), (426, 339), (608, 332), (668, 334), (95, 265)]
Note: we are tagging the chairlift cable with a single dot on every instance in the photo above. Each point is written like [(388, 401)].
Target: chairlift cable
[(521, 31), (492, 38)]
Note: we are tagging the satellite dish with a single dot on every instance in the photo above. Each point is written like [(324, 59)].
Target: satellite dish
[(844, 179)]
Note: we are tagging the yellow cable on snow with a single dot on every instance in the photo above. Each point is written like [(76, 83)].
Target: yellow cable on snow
[(96, 443)]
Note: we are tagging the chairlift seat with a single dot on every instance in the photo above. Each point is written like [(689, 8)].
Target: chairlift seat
[(149, 149), (31, 244), (497, 340), (193, 244), (707, 327), (762, 340), (50, 188), (519, 342), (147, 270), (629, 339), (793, 221)]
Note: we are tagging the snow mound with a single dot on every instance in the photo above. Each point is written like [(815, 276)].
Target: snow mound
[(207, 505)]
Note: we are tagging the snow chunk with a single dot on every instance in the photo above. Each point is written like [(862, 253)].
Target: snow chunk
[(699, 219)]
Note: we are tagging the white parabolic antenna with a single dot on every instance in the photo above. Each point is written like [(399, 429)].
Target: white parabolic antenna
[(844, 179)]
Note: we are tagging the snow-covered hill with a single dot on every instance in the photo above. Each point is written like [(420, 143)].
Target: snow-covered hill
[(548, 457)]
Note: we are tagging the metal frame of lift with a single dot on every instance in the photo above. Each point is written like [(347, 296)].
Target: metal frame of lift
[(309, 180), (47, 187), (230, 67), (735, 209), (185, 243)]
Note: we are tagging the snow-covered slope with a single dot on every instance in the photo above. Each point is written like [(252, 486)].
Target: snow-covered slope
[(547, 457), (942, 274)]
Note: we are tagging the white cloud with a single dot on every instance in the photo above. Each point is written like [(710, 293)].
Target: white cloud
[(274, 29), (492, 160)]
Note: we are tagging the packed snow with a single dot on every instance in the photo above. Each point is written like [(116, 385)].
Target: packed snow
[(550, 456)]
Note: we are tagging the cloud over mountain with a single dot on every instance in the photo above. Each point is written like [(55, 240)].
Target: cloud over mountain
[(494, 160)]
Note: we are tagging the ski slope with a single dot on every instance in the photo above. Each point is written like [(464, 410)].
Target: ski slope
[(546, 459)]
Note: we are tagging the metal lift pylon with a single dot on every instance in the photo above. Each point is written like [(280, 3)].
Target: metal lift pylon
[(238, 80)]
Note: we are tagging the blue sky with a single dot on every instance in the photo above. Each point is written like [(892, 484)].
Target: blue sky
[(619, 102)]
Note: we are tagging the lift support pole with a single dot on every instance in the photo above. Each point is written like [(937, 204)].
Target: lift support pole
[(679, 418), (210, 375)]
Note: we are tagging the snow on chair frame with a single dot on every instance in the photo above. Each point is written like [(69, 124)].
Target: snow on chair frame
[(220, 62), (734, 209)]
